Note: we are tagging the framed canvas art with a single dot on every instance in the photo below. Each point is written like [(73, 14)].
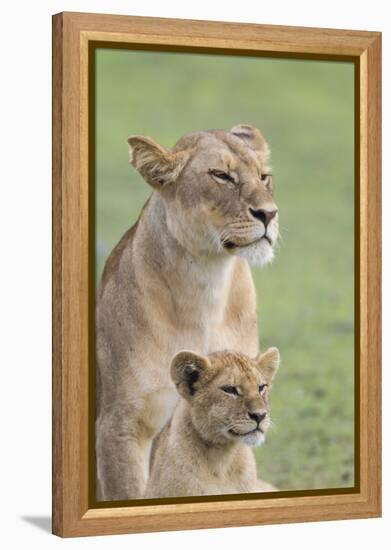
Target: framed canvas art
[(216, 274)]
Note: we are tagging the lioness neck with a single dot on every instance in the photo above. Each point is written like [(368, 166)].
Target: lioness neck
[(192, 281)]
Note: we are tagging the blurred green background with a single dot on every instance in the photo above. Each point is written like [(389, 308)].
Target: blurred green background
[(306, 297)]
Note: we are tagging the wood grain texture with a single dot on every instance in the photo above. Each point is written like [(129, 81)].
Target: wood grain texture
[(222, 34), (67, 364), (57, 275), (72, 34), (372, 259)]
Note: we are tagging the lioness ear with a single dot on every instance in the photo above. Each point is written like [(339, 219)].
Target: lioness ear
[(253, 138), (268, 363), (157, 165), (187, 368)]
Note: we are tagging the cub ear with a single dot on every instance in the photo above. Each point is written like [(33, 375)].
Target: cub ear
[(268, 363), (157, 165), (187, 368), (253, 138)]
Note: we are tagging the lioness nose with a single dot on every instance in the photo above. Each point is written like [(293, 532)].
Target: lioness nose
[(257, 416), (264, 215)]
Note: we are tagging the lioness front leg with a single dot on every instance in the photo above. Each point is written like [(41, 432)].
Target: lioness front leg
[(122, 448)]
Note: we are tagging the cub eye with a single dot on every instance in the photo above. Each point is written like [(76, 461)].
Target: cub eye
[(264, 177), (230, 389), (262, 387), (221, 175)]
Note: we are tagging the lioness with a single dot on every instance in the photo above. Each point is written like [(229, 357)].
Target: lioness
[(178, 279), (204, 448)]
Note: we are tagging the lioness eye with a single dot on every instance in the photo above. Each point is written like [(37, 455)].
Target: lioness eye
[(230, 389), (221, 175), (264, 177), (262, 387)]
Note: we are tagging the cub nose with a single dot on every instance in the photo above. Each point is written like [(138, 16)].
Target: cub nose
[(263, 215), (257, 416)]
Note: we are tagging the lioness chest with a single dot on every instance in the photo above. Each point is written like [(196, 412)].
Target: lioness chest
[(215, 314), (160, 395)]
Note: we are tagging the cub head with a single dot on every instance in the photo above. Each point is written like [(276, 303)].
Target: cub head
[(228, 393), (218, 190)]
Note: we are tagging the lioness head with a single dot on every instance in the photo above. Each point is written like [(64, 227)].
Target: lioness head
[(217, 187), (228, 393)]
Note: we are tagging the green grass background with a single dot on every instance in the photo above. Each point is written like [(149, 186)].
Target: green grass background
[(306, 297)]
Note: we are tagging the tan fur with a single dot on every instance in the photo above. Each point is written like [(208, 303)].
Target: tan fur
[(171, 283), (204, 449)]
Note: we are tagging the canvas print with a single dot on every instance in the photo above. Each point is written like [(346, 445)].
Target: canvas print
[(224, 273)]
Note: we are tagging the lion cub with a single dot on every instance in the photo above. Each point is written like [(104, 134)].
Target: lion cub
[(204, 449)]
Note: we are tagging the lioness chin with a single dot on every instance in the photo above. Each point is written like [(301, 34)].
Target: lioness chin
[(178, 279), (224, 409)]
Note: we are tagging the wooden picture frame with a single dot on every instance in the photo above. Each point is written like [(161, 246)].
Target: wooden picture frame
[(74, 36)]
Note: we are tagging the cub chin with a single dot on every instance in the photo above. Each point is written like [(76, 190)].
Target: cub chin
[(224, 409)]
